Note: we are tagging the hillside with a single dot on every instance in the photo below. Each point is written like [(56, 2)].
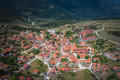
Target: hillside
[(38, 10)]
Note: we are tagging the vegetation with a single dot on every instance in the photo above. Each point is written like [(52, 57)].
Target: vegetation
[(80, 75), (112, 77), (116, 33), (89, 35), (39, 65), (103, 59), (13, 77), (20, 28), (48, 36), (93, 27), (35, 51), (64, 59), (75, 39), (58, 32), (68, 34), (58, 23), (86, 57), (78, 56), (73, 74), (111, 31)]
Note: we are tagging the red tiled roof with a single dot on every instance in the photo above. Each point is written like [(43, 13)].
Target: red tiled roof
[(5, 76)]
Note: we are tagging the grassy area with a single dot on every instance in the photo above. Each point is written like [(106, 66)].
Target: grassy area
[(58, 23), (80, 75), (37, 64), (110, 26)]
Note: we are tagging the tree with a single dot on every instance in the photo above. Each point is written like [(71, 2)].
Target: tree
[(73, 74), (13, 77), (35, 51), (53, 42), (78, 56), (86, 57), (47, 33), (68, 34), (64, 59), (58, 32)]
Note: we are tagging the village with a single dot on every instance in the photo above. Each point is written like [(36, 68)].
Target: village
[(62, 51)]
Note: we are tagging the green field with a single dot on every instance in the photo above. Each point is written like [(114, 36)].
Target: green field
[(80, 75), (112, 28)]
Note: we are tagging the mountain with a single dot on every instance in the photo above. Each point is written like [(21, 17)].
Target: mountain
[(58, 9)]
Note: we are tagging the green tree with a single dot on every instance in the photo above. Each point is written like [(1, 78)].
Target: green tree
[(78, 56), (58, 32), (86, 57), (64, 59), (35, 51), (47, 33), (73, 74)]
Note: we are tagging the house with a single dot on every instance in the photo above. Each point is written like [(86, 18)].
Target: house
[(88, 61), (118, 48), (118, 74), (36, 71), (4, 77), (36, 46), (117, 69), (118, 57), (44, 55), (21, 77), (76, 69), (82, 44), (1, 64), (96, 67), (29, 78), (105, 67), (103, 73), (19, 62), (52, 71), (96, 59), (53, 63), (64, 69), (6, 52), (110, 56), (26, 66), (21, 57), (23, 44), (6, 67), (113, 57)]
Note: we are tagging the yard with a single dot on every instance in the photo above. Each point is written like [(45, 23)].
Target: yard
[(37, 64)]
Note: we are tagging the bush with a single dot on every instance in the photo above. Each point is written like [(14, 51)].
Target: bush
[(73, 74), (78, 56), (68, 34), (86, 57), (35, 51), (64, 59), (13, 77), (113, 76)]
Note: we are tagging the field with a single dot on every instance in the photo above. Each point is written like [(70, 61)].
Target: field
[(111, 25), (37, 64), (42, 67), (80, 75)]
